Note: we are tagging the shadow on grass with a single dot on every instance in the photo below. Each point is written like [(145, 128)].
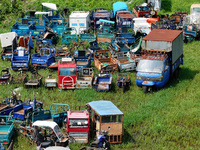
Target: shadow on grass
[(166, 5), (127, 138), (184, 74)]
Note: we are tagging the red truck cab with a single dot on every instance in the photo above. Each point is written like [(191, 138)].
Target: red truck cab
[(67, 74), (78, 125)]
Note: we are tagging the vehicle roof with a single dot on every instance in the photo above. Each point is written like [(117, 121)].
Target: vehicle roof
[(50, 5), (78, 114), (43, 123), (103, 108), (7, 38), (79, 14), (101, 13), (162, 35), (195, 5), (119, 6), (66, 64), (125, 14)]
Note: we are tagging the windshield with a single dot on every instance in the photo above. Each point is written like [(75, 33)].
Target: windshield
[(150, 66), (78, 123), (196, 10), (58, 132), (67, 71)]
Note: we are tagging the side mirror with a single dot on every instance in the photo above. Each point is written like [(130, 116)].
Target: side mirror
[(166, 68)]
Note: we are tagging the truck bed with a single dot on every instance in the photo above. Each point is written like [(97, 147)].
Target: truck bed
[(4, 129)]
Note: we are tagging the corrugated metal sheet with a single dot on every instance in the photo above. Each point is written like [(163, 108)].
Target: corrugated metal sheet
[(162, 35), (105, 108), (157, 45)]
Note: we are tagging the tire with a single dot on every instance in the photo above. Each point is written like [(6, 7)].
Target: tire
[(176, 74), (144, 88), (124, 88), (150, 89)]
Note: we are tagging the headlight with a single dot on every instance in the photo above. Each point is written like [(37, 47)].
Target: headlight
[(159, 78), (138, 77)]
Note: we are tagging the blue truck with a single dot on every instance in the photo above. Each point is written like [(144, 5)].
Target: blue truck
[(20, 59), (6, 129), (162, 56), (44, 58), (58, 25), (22, 26), (103, 82)]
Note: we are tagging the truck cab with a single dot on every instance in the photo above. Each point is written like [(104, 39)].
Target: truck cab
[(152, 71), (78, 125), (67, 74)]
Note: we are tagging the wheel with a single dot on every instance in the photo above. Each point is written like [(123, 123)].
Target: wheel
[(144, 89), (124, 88), (176, 73), (150, 89)]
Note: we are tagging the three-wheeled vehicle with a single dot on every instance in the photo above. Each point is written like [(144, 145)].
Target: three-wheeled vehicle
[(69, 78), (100, 14), (124, 18), (104, 62), (105, 33), (22, 26), (47, 39), (67, 37), (125, 63), (123, 81), (6, 129), (58, 25), (87, 35), (5, 76), (82, 58), (34, 80), (9, 44), (101, 143), (44, 58), (50, 82), (106, 116), (102, 82), (20, 59), (57, 113), (78, 125), (46, 134)]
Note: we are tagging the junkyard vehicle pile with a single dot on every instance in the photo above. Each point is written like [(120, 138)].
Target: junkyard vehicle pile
[(141, 41)]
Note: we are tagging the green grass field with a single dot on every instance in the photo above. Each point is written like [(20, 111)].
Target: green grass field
[(165, 119)]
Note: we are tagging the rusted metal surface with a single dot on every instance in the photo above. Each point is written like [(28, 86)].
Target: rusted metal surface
[(103, 40), (154, 56), (125, 14), (34, 81), (103, 58), (162, 35), (164, 41)]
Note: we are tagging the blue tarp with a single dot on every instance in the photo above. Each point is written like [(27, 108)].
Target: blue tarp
[(119, 6), (105, 108)]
